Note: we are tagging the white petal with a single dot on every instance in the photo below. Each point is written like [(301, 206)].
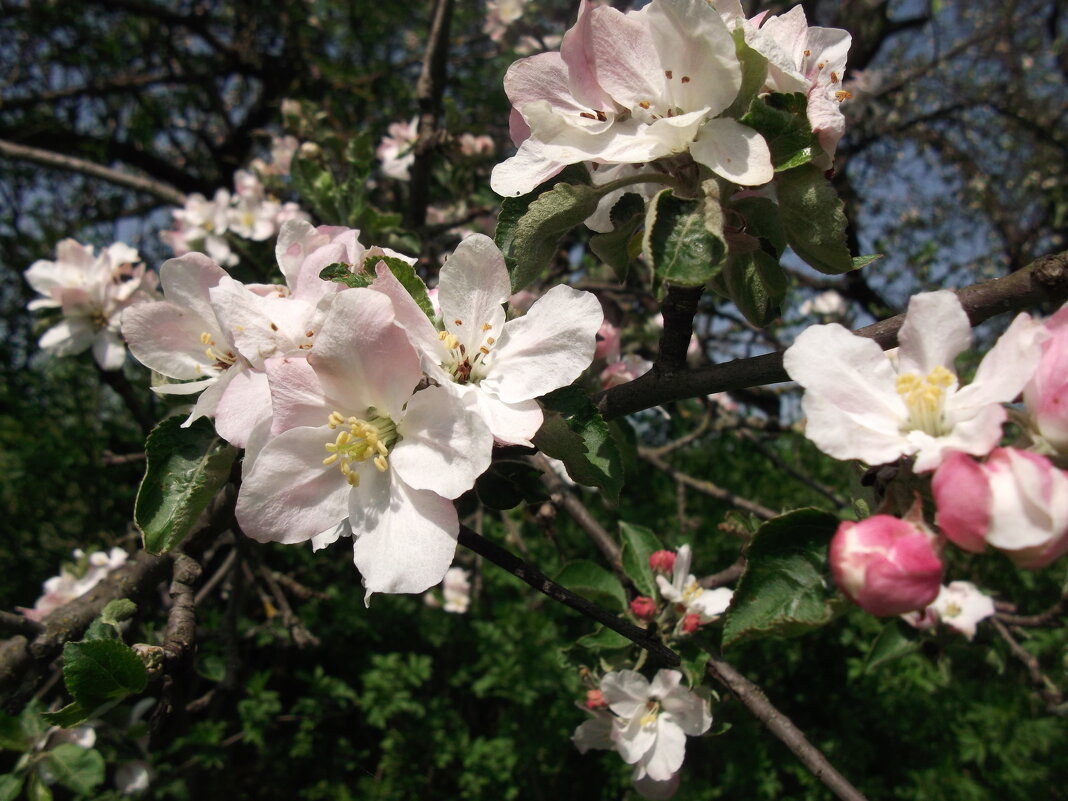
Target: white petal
[(109, 350), (528, 168), (1006, 368), (443, 445), (473, 288), (668, 752), (733, 151), (245, 404), (69, 336), (936, 329), (626, 692), (547, 348)]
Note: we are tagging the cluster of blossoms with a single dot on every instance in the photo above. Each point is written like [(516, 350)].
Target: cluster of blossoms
[(658, 84), (75, 580), (684, 604), (361, 415), (249, 212), (863, 404), (90, 290), (646, 723), (396, 151)]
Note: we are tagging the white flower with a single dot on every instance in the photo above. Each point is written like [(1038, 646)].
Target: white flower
[(861, 405), (457, 590), (74, 582), (351, 450), (91, 290), (498, 367), (829, 303), (684, 590), (202, 224), (961, 606), (654, 720), (397, 150)]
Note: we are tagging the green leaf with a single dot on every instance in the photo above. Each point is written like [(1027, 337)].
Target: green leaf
[(12, 735), (638, 543), (38, 790), (683, 240), (896, 640), (757, 285), (782, 119), (117, 611), (762, 220), (102, 670), (529, 227), (70, 715), (510, 482), (784, 590), (814, 222), (406, 275), (575, 433), (603, 639), (594, 583), (616, 248), (317, 188), (78, 769), (754, 75), (694, 668), (185, 468), (11, 786), (342, 273)]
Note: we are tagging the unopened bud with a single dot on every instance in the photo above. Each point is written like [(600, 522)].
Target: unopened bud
[(885, 565), (643, 607), (690, 624), (595, 700), (151, 656), (662, 561)]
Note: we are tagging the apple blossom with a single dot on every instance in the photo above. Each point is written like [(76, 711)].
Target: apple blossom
[(1016, 501), (201, 225), (595, 700), (960, 605), (885, 565), (654, 720), (629, 89), (91, 290), (828, 303), (624, 370), (862, 405), (75, 580), (497, 366), (350, 449), (662, 561), (456, 588), (643, 607), (1046, 395), (397, 150), (689, 597)]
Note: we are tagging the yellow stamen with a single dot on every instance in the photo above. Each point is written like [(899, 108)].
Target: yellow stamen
[(360, 441), (925, 399)]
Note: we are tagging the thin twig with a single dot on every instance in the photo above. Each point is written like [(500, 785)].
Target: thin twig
[(141, 183), (429, 91), (506, 560), (302, 638), (1051, 695), (707, 487), (782, 727)]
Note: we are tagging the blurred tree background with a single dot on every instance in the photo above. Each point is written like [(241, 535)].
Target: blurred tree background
[(953, 166)]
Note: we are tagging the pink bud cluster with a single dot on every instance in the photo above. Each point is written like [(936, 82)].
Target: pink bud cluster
[(682, 603)]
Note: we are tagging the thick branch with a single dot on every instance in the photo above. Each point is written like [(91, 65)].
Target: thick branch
[(1044, 280), (782, 727), (678, 308), (157, 189), (506, 560)]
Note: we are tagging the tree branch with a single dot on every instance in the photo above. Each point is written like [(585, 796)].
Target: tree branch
[(151, 186), (707, 487), (429, 91), (782, 727), (1044, 280), (506, 560)]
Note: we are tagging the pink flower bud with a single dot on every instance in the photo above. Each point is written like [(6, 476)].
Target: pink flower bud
[(643, 607), (662, 561), (595, 700), (608, 337), (690, 623), (1016, 501), (1046, 395), (885, 565)]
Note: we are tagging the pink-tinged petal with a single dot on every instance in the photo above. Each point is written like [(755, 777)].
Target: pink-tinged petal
[(624, 56), (443, 446), (1006, 368), (166, 337), (186, 281), (962, 496), (209, 399), (362, 357), (109, 350), (412, 319), (405, 539), (244, 404), (289, 495), (576, 57), (543, 77), (935, 331), (69, 336), (547, 348), (297, 397), (528, 168), (734, 151), (694, 45), (260, 327), (668, 752), (474, 286), (1029, 507)]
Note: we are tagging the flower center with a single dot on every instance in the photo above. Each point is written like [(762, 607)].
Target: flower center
[(691, 592), (925, 399), (222, 359), (360, 440), (652, 710), (465, 367)]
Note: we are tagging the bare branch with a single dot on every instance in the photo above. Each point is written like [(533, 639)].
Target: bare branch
[(707, 487), (429, 91)]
